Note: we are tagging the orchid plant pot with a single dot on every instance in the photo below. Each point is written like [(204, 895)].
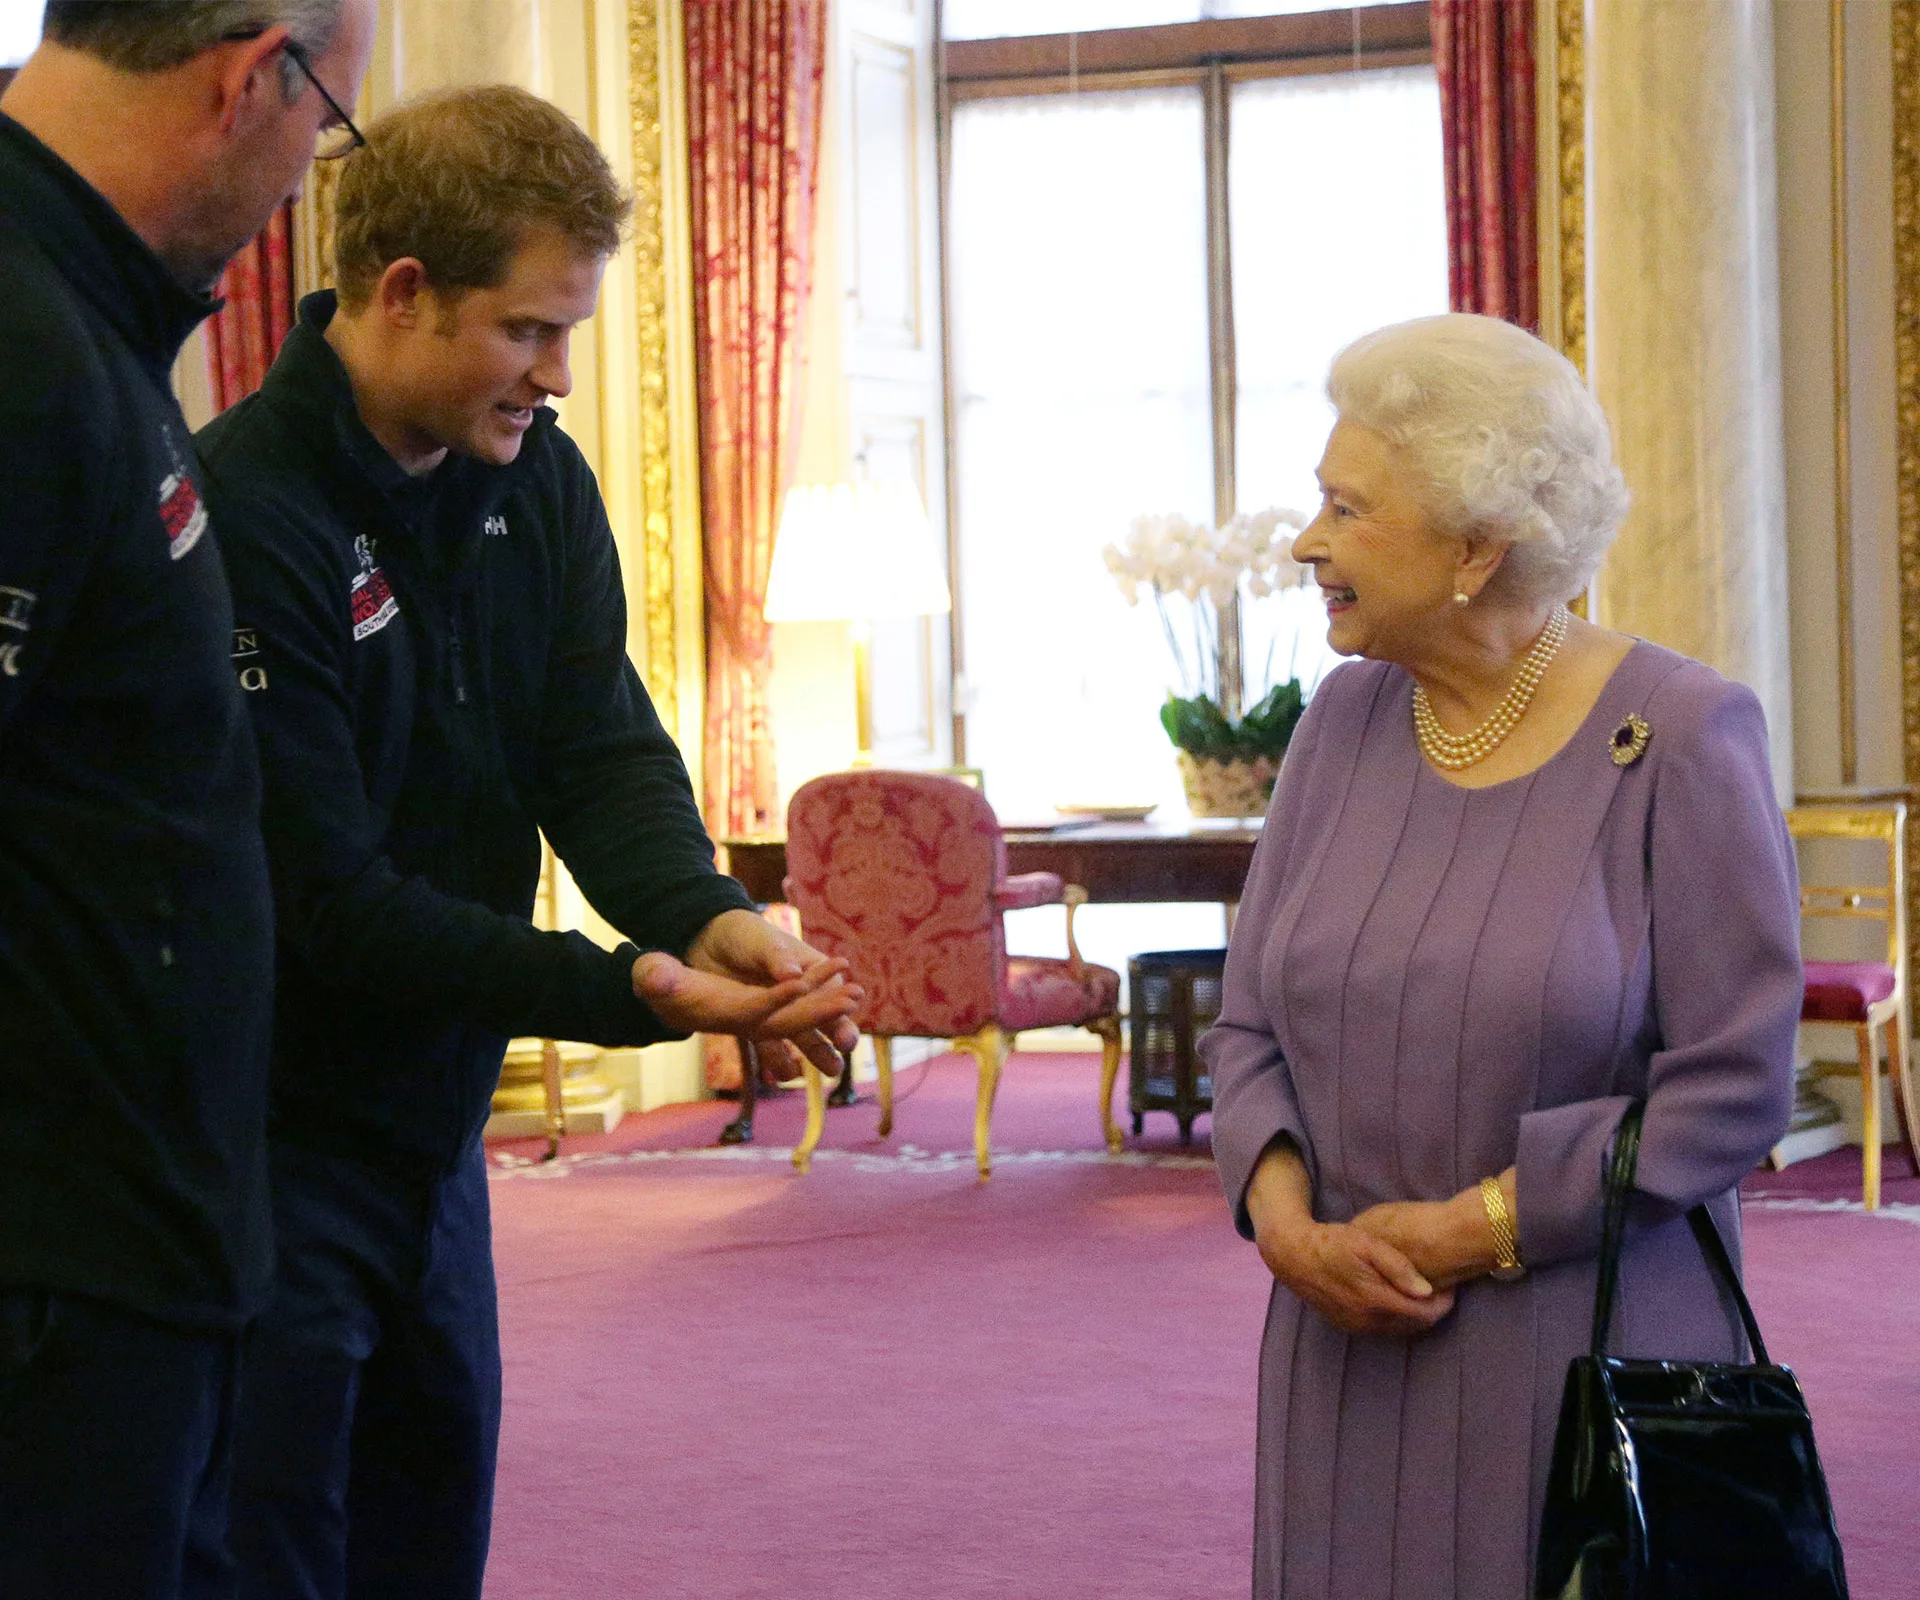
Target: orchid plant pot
[(1229, 767), (1236, 788)]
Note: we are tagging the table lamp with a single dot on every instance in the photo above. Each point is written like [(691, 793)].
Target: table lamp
[(854, 553)]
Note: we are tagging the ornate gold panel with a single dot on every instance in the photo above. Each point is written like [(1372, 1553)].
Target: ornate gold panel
[(650, 271), (1906, 328), (1560, 114)]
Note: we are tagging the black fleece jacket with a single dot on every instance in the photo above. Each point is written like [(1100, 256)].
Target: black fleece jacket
[(437, 668), (136, 924)]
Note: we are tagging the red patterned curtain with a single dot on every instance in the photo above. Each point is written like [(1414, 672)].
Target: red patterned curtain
[(244, 336), (754, 71), (1483, 51)]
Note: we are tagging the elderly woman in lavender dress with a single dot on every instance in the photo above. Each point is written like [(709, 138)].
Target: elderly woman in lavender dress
[(1519, 872)]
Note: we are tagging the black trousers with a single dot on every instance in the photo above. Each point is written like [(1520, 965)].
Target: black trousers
[(369, 1407), (115, 1440)]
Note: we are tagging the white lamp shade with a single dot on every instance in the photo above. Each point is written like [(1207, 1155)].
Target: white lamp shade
[(852, 552)]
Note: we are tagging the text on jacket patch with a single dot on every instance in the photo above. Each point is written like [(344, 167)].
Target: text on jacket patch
[(246, 659), (372, 596), (16, 621)]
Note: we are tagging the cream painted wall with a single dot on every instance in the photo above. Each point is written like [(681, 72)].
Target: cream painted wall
[(193, 380), (1803, 134), (1683, 336), (1807, 351)]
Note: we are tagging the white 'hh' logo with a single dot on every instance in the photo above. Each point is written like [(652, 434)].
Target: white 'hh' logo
[(16, 616)]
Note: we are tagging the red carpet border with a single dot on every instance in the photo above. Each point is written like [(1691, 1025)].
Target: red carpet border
[(888, 1380)]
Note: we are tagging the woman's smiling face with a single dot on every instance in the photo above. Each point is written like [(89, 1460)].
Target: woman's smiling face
[(1386, 575)]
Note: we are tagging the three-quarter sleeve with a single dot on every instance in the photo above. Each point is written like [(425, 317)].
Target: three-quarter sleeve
[(1253, 1093), (1724, 935)]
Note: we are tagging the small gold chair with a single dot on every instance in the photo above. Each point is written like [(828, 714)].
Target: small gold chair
[(1866, 996)]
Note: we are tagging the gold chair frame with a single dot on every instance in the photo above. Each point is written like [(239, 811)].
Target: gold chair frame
[(1884, 823)]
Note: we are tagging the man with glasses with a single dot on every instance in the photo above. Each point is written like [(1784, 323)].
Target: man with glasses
[(140, 147)]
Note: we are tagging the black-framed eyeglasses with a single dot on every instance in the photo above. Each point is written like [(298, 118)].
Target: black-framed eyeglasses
[(339, 137)]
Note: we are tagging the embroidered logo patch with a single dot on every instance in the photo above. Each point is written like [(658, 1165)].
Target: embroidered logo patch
[(372, 600), (496, 527), (181, 513)]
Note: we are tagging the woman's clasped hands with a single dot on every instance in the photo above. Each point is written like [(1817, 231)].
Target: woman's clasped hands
[(1392, 1270)]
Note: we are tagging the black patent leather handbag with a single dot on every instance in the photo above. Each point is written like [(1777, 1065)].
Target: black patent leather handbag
[(1682, 1480)]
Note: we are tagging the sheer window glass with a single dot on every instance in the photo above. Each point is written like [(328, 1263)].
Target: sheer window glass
[(1079, 283), (1077, 276), (1359, 234), (1280, 8), (1005, 19), (19, 29)]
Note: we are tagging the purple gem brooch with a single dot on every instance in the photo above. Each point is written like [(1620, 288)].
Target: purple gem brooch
[(1629, 741)]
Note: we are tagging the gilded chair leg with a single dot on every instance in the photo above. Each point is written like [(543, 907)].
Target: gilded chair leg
[(1869, 1119), (1903, 1100), (989, 1048), (1109, 1030), (553, 1085), (883, 1060), (816, 1117)]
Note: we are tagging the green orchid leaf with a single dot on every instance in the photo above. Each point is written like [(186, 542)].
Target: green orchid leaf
[(1199, 727)]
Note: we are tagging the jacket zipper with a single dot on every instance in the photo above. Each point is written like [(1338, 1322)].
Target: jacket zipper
[(457, 656)]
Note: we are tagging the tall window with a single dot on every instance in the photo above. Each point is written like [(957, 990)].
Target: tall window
[(1082, 272), (1122, 345), (988, 19)]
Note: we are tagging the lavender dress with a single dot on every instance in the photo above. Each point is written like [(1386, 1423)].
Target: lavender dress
[(1428, 984)]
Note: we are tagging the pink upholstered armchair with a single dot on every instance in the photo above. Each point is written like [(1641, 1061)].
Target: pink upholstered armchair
[(905, 874)]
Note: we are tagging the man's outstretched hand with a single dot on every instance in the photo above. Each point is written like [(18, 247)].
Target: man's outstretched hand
[(744, 976)]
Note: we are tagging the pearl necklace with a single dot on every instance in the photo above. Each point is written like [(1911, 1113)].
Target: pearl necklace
[(1452, 752)]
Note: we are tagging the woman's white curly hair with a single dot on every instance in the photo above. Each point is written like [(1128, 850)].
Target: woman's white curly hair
[(1507, 441)]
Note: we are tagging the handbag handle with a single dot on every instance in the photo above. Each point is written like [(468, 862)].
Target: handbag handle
[(1613, 1233)]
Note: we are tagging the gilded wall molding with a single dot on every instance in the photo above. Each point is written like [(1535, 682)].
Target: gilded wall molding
[(1560, 117), (650, 243), (1906, 330), (1560, 103)]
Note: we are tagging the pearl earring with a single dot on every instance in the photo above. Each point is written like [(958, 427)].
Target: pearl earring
[(1461, 597)]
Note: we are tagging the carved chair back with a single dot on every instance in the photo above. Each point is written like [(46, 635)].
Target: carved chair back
[(896, 871)]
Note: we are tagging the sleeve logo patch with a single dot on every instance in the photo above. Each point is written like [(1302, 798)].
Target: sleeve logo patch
[(372, 598), (181, 514)]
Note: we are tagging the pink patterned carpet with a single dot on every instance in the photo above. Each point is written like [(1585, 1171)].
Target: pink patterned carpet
[(886, 1380)]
